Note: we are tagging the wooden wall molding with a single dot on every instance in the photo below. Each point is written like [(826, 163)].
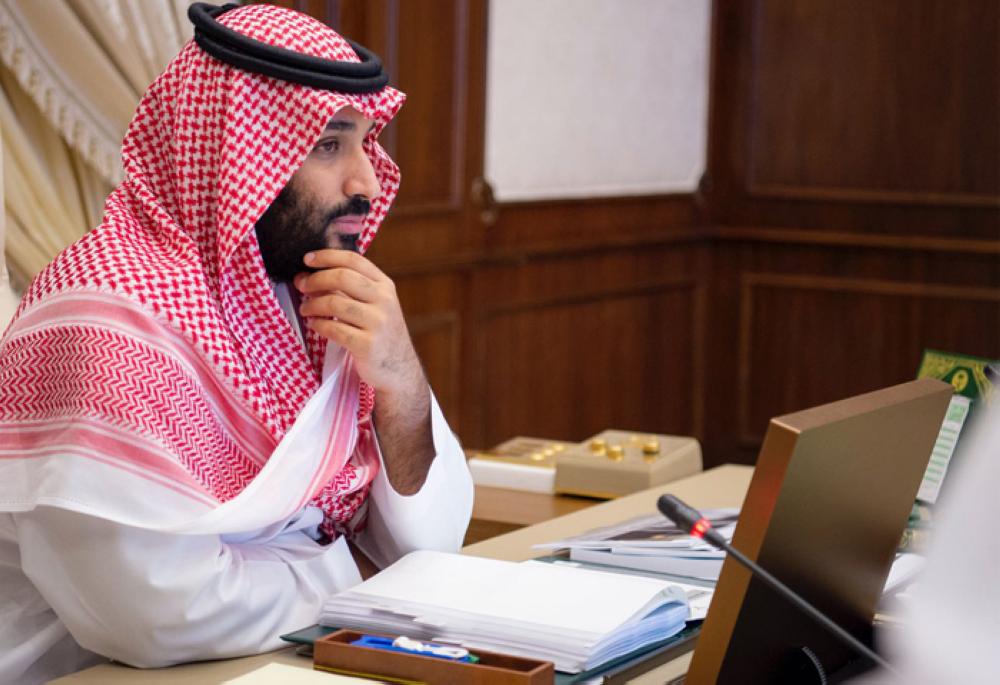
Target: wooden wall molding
[(425, 323), (792, 192), (868, 286), (699, 322), (632, 290), (516, 256), (460, 97), (568, 223), (751, 281), (425, 210), (850, 239)]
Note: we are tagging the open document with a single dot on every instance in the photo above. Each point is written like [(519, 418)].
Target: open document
[(576, 618)]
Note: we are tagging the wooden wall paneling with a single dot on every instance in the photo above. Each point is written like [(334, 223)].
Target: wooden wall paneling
[(859, 117), (568, 225), (433, 305), (324, 10), (731, 70), (841, 337), (570, 345), (431, 51), (852, 194), (721, 345), (795, 219), (877, 102), (795, 326), (848, 238)]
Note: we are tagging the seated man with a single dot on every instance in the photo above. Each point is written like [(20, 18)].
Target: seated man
[(211, 413)]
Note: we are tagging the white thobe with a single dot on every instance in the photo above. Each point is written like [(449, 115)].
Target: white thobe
[(75, 589), (74, 586)]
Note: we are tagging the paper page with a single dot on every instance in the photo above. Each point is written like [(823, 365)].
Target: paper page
[(283, 673), (904, 568), (647, 530), (562, 599), (698, 596), (944, 448)]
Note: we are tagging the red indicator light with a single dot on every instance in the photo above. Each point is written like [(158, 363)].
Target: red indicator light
[(699, 528)]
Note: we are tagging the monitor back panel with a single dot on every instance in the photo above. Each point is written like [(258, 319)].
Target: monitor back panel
[(828, 501)]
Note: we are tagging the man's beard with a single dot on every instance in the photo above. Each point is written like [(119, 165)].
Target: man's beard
[(294, 225)]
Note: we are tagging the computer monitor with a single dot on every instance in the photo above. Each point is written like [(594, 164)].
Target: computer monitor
[(825, 510)]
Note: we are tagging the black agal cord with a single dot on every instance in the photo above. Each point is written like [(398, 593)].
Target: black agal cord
[(245, 53)]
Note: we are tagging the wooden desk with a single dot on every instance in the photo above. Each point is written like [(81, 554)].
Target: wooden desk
[(497, 511), (724, 486)]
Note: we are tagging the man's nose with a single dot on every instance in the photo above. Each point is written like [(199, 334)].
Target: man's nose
[(362, 179)]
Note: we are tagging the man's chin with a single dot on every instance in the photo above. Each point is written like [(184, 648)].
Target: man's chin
[(341, 240)]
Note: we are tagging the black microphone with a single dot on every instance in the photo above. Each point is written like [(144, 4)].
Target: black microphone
[(690, 519)]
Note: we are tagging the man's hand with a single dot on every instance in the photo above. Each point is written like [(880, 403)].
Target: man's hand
[(349, 301)]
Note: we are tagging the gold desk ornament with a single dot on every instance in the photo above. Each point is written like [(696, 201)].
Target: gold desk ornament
[(615, 463), (616, 453)]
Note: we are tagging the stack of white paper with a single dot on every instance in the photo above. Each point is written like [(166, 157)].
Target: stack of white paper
[(651, 543), (576, 618)]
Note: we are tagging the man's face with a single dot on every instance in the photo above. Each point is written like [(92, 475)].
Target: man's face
[(325, 202)]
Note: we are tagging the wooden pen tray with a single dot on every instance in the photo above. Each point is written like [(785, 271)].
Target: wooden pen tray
[(336, 653)]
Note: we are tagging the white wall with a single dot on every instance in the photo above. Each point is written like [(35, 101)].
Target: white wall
[(596, 97)]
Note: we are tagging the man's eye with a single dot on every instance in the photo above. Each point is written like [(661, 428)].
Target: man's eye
[(330, 145)]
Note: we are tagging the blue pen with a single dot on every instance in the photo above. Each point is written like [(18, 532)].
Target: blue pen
[(411, 646)]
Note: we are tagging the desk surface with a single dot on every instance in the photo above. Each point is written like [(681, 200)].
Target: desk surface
[(724, 486), (497, 510), (524, 508)]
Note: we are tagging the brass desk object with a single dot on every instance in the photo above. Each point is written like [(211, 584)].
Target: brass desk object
[(615, 463)]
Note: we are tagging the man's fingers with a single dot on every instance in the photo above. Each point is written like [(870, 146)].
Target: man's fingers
[(338, 279), (344, 308), (351, 338), (330, 259)]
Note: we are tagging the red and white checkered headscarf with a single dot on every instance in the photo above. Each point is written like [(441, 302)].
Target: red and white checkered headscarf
[(155, 344)]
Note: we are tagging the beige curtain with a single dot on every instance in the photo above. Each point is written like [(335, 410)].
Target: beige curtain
[(72, 72), (8, 301)]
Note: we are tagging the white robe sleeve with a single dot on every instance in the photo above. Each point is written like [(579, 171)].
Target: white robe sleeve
[(153, 599), (435, 517)]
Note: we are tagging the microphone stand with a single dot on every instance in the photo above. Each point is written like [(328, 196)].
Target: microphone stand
[(687, 517)]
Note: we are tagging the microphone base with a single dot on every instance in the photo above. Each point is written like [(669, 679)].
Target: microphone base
[(851, 670), (802, 667)]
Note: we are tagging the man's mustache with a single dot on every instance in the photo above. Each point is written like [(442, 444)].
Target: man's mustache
[(356, 205)]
